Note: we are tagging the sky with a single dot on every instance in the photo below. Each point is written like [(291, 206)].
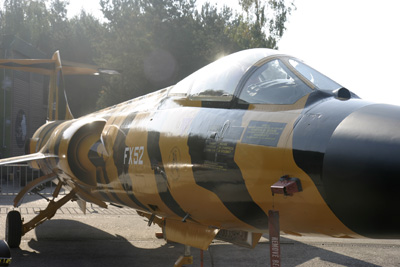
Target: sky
[(354, 42)]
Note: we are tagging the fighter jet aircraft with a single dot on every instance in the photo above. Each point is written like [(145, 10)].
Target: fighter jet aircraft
[(210, 156)]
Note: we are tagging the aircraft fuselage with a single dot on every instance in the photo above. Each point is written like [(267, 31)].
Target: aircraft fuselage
[(215, 165)]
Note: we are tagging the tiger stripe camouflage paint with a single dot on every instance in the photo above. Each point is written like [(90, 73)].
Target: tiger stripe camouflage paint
[(196, 161), (210, 151), (212, 163)]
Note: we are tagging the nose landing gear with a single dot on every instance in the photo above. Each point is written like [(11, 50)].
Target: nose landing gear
[(13, 229)]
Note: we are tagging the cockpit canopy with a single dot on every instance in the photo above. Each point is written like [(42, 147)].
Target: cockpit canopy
[(255, 76)]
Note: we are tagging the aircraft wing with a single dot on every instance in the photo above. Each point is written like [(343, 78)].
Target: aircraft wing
[(25, 158), (46, 67)]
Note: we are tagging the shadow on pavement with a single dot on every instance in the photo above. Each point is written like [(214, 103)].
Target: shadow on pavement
[(72, 243)]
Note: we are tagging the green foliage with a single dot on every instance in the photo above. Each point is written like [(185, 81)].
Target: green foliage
[(265, 21), (49, 29), (155, 43)]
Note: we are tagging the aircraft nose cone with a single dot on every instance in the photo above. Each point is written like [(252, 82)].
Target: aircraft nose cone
[(361, 172)]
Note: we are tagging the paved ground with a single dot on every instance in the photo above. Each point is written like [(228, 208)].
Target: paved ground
[(119, 237)]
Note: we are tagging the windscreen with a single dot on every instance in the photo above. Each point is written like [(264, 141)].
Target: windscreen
[(318, 79), (218, 80), (273, 83)]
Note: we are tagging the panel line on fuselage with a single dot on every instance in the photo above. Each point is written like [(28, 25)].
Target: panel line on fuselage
[(154, 152), (215, 169), (123, 169)]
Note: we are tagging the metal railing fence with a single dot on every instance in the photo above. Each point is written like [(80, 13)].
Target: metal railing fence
[(14, 177)]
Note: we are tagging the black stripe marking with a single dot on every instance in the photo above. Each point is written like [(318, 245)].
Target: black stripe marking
[(47, 130), (58, 141), (312, 131), (101, 173), (356, 170), (214, 167), (154, 152), (118, 156), (101, 190)]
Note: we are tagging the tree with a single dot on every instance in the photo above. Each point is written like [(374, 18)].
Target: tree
[(155, 43), (85, 34), (146, 39), (159, 42), (27, 20), (50, 29), (265, 20)]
